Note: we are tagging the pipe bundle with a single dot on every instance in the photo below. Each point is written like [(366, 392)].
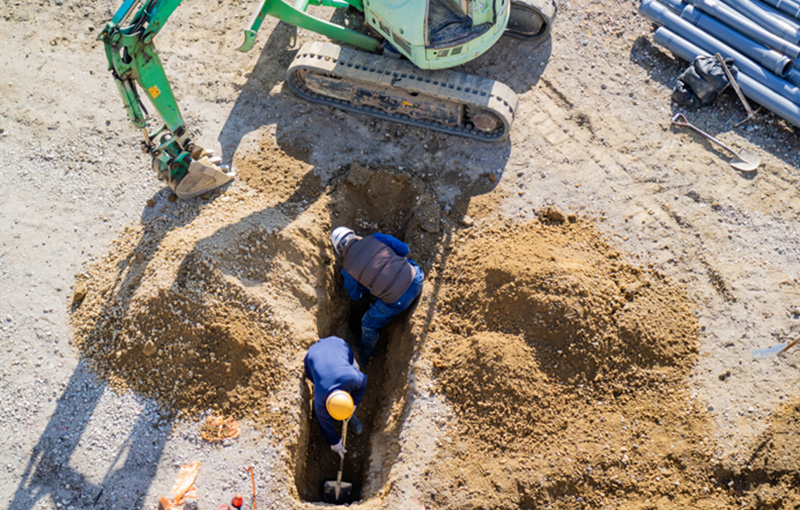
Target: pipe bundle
[(763, 39)]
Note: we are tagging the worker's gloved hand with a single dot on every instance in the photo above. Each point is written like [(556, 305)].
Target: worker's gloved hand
[(339, 448)]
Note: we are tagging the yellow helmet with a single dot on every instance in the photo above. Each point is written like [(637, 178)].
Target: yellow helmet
[(340, 405)]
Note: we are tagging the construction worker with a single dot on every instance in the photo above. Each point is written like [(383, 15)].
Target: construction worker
[(377, 265), (338, 387)]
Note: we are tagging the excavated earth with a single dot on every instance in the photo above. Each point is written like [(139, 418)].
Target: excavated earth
[(554, 370), (593, 286)]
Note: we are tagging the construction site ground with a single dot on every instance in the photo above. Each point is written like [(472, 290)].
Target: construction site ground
[(594, 285)]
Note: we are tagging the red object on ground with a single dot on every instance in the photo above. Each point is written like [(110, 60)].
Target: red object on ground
[(224, 507), (237, 501)]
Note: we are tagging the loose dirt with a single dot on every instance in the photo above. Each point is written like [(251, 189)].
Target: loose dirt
[(562, 366), (594, 285)]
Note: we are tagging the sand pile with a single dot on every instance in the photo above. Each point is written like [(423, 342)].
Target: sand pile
[(563, 367), (566, 368), (204, 305)]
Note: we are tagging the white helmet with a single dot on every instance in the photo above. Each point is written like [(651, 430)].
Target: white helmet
[(340, 234)]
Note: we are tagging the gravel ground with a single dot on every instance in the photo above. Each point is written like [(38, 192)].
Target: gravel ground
[(597, 143)]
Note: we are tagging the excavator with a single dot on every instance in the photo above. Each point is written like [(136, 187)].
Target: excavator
[(399, 68)]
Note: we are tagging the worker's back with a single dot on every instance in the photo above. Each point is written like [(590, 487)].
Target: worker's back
[(329, 365)]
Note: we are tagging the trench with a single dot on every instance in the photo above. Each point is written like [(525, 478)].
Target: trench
[(378, 202)]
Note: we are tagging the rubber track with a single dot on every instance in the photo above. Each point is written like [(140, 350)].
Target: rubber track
[(358, 66)]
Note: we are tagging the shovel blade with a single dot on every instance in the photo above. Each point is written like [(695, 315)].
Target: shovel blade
[(330, 494), (768, 352), (745, 161)]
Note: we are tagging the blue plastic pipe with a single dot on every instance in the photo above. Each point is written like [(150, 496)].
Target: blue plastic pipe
[(790, 7), (772, 61), (794, 77), (745, 25), (761, 15), (751, 88), (661, 15)]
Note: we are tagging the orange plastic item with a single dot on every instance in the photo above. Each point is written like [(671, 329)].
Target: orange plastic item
[(237, 501), (182, 488), (166, 504), (217, 428), (184, 482)]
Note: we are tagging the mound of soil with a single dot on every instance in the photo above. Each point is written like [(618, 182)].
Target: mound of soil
[(205, 305), (566, 368), (559, 370)]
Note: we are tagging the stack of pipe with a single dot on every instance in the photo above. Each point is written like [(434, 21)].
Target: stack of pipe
[(762, 38)]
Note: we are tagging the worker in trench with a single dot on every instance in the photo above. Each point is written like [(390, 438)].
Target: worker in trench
[(338, 387), (376, 265)]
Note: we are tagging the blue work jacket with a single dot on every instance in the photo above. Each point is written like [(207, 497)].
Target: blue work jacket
[(329, 365)]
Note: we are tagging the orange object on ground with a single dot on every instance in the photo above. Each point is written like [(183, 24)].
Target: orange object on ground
[(237, 501), (165, 504), (182, 488), (224, 507), (253, 479), (217, 428), (184, 482)]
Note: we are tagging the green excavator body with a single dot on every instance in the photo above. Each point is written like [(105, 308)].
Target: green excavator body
[(430, 34)]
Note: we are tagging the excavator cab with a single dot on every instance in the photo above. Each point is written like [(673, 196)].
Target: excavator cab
[(450, 23), (439, 34)]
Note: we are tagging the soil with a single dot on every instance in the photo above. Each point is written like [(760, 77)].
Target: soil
[(594, 286)]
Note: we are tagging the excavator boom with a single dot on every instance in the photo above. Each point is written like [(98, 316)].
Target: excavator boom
[(136, 69)]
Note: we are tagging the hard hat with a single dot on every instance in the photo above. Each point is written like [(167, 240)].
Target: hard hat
[(338, 236), (340, 405)]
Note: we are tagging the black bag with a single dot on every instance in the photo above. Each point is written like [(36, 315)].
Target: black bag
[(700, 84)]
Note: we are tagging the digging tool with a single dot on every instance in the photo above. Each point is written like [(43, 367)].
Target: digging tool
[(775, 350), (750, 113), (743, 160), (338, 492)]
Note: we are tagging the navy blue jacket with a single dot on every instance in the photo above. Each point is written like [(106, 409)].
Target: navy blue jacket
[(329, 365)]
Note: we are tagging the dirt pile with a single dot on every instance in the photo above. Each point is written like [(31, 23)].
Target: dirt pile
[(566, 368), (771, 478), (204, 305)]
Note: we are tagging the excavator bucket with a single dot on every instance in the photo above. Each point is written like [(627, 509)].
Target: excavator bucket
[(201, 177)]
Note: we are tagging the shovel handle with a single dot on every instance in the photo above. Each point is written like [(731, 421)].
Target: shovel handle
[(680, 120), (791, 344), (735, 85)]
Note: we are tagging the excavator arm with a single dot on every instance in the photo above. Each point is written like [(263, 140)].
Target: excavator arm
[(136, 69)]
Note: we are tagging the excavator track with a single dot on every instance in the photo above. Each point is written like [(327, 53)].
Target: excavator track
[(394, 89)]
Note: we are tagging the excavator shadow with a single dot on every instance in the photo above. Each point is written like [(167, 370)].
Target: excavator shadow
[(253, 107), (133, 454)]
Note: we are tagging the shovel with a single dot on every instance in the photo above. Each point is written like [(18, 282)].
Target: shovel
[(775, 350), (338, 492), (743, 160)]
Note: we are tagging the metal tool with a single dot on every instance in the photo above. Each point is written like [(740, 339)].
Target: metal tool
[(775, 350), (750, 113), (338, 492), (743, 160)]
